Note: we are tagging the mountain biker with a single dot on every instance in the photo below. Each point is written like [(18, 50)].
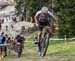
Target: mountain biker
[(42, 19), (20, 40), (19, 44)]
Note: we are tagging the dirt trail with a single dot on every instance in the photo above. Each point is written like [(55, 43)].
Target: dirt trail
[(30, 55)]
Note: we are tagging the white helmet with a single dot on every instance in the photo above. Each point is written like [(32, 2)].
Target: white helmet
[(44, 10)]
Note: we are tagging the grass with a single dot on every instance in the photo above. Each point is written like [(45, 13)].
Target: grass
[(62, 48), (55, 45), (58, 49), (31, 37)]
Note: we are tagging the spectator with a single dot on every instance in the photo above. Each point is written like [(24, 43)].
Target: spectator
[(12, 26), (0, 26), (14, 19), (2, 40), (3, 20), (6, 28), (7, 39)]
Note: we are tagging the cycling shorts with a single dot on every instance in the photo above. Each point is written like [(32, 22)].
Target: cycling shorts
[(43, 24)]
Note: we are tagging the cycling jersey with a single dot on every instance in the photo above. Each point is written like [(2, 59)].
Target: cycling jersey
[(19, 39), (44, 17)]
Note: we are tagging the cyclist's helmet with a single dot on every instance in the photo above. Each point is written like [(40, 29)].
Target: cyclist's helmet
[(44, 10)]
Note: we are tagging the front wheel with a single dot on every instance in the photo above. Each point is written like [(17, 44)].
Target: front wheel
[(44, 45), (19, 51)]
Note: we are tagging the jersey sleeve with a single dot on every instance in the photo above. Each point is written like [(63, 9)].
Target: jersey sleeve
[(50, 14), (37, 14)]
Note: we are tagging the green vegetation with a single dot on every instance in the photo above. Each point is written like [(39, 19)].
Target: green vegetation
[(65, 10), (57, 49), (56, 46), (31, 37)]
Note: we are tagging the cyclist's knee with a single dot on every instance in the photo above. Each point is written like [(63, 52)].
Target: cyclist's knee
[(39, 32), (49, 29)]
